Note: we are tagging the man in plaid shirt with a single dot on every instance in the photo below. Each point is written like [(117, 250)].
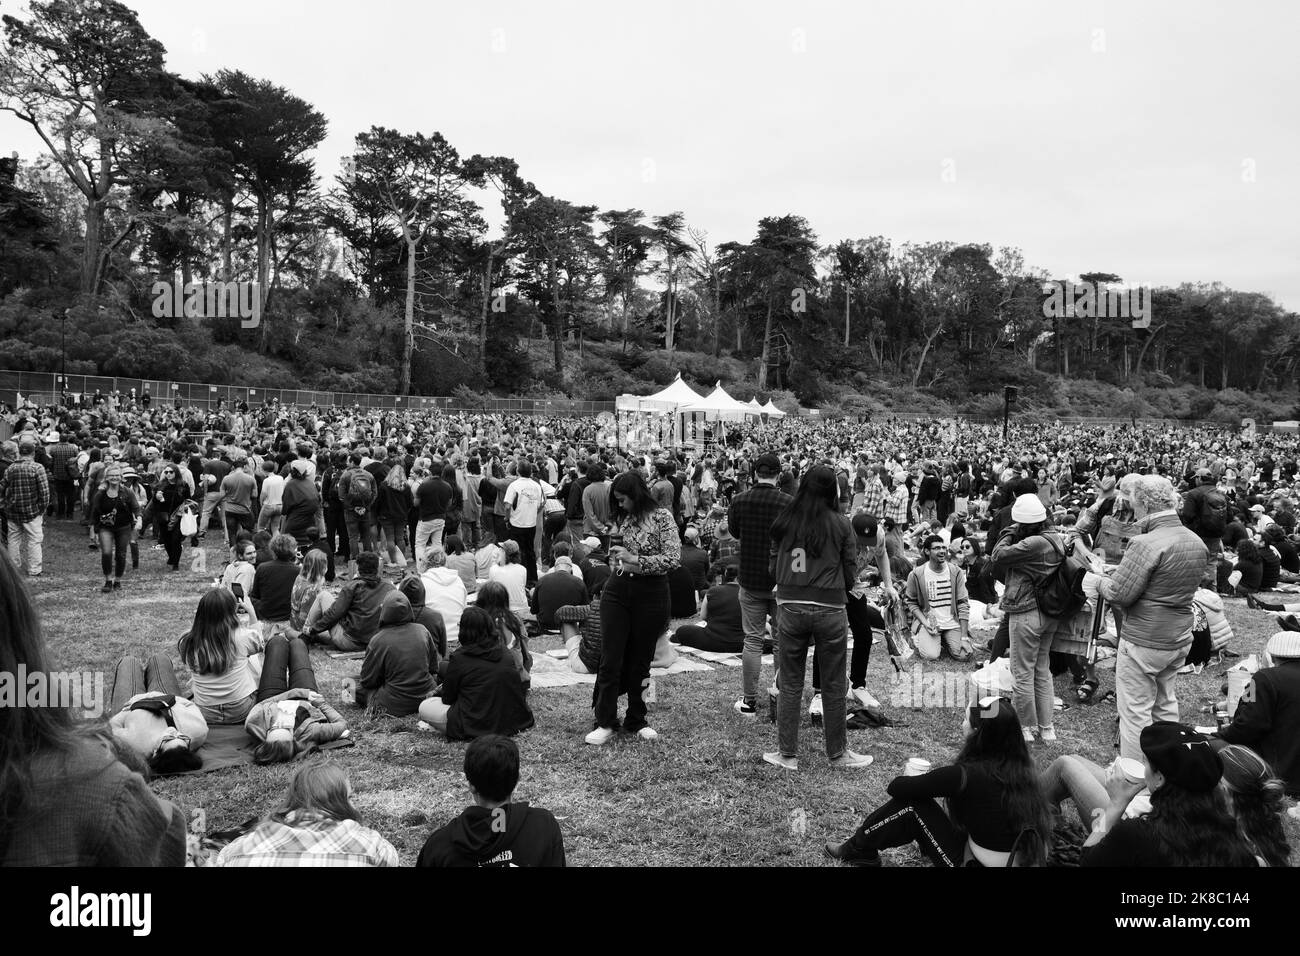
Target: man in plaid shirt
[(873, 499), (750, 518), (896, 503), (65, 487), (25, 493)]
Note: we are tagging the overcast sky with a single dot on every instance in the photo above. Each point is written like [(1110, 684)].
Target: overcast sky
[(1156, 140)]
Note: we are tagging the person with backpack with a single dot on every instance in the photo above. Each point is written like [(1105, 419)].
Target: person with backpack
[(1205, 512), (1028, 554), (358, 492), (1155, 584)]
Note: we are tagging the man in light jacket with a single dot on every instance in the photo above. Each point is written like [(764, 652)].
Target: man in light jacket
[(936, 596), (1154, 584)]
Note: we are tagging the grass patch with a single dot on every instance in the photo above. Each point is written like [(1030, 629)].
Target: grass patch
[(701, 795)]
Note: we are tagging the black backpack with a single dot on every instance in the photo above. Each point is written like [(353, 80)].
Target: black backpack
[(1060, 592), (1213, 520)]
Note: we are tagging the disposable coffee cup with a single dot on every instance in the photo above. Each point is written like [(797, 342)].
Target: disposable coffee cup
[(916, 766), (1234, 578), (1134, 771)]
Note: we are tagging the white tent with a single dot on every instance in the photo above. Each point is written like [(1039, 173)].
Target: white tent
[(754, 407), (718, 404), (678, 393), (650, 420), (772, 411)]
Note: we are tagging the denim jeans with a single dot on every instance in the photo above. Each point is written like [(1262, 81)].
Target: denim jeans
[(755, 608), (113, 543), (360, 532), (428, 537), (864, 620), (231, 713), (287, 665), (32, 533), (633, 614), (800, 626), (131, 680), (1144, 691), (1031, 666), (268, 518), (210, 502), (1079, 780)]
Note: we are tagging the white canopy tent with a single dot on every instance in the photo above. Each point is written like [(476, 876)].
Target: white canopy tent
[(754, 407), (718, 405), (650, 420), (772, 411)]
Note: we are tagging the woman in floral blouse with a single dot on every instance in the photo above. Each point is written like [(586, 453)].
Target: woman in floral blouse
[(634, 607)]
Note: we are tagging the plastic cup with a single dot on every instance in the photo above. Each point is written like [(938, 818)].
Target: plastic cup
[(916, 766), (1134, 771)]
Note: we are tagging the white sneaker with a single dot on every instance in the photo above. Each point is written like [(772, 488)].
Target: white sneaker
[(815, 708), (745, 710), (851, 761), (648, 733), (1047, 735), (863, 697), (779, 759), (601, 736), (1029, 735)]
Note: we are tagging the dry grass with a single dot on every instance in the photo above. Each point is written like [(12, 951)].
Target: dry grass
[(700, 795)]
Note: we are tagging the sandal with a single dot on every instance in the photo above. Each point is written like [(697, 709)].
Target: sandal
[(1087, 690)]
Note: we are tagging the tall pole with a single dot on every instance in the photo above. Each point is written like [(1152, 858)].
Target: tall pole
[(63, 353)]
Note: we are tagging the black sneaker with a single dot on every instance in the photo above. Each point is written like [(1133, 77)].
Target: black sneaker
[(845, 854), (117, 585)]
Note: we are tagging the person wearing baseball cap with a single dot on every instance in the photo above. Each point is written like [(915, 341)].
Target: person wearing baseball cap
[(1189, 823), (1026, 552), (1267, 719)]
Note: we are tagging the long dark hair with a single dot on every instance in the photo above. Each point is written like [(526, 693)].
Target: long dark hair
[(495, 599), (1194, 828), (811, 514), (1256, 798), (209, 647), (997, 743), (633, 486)]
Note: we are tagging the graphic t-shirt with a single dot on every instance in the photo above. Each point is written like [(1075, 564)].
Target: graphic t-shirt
[(939, 590)]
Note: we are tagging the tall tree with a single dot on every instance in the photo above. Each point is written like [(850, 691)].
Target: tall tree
[(667, 231)]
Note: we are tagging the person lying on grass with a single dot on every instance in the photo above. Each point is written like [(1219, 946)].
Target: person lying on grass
[(153, 718), (290, 715)]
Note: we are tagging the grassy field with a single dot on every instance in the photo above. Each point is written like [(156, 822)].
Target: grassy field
[(700, 795)]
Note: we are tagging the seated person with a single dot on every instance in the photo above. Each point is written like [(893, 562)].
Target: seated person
[(486, 558), (317, 825), (401, 661), (1270, 565), (682, 596), (482, 692), (940, 607), (555, 589), (219, 649), (514, 576), (240, 572), (695, 559), (562, 559), (273, 583), (311, 580), (348, 621), (1255, 797), (290, 715), (595, 566), (1189, 824), (262, 542), (321, 546), (444, 592), (151, 716), (495, 831), (1289, 560), (462, 563), (993, 795), (494, 599), (580, 628), (1267, 719), (722, 630), (421, 613)]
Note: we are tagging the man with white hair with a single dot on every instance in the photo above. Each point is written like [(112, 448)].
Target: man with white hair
[(24, 496), (1154, 585)]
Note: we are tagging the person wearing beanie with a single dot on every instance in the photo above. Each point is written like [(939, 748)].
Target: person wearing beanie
[(1154, 586), (1027, 551), (1267, 719), (1189, 823)]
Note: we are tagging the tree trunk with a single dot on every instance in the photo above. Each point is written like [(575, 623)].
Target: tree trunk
[(227, 217), (848, 297), (1137, 366), (557, 320), (767, 346), (263, 261), (90, 268), (408, 318), (929, 340), (483, 315)]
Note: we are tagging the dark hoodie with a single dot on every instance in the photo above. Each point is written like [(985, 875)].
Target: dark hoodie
[(400, 661), (485, 693), (358, 607), (413, 588), (532, 837)]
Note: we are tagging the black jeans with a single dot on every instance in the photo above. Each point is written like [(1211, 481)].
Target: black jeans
[(336, 532), (113, 545), (900, 822), (171, 539), (633, 614), (65, 498), (526, 538), (863, 617), (287, 665)]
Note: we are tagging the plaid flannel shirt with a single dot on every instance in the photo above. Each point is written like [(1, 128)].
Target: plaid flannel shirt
[(750, 519), (896, 507), (25, 490), (60, 454), (309, 838), (873, 498)]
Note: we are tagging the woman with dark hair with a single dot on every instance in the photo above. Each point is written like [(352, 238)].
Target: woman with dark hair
[(1251, 567), (216, 649), (720, 627), (316, 826), (993, 795), (979, 583), (170, 496), (495, 599), (816, 568), (290, 715), (1189, 824), (1257, 798), (481, 693), (66, 797), (113, 514), (393, 509), (634, 609)]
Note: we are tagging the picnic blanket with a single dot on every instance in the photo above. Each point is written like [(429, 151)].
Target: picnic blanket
[(724, 658), (230, 746), (549, 672)]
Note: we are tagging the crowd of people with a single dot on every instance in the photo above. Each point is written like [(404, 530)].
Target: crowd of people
[(434, 548)]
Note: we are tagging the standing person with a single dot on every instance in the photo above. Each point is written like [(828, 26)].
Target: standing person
[(63, 479), (358, 491), (1204, 511), (1027, 552), (750, 519), (1154, 584), (212, 474), (113, 514), (300, 504), (633, 608), (271, 497), (24, 497), (238, 495), (816, 568), (524, 503), (432, 498), (169, 497), (573, 500), (595, 504), (393, 506)]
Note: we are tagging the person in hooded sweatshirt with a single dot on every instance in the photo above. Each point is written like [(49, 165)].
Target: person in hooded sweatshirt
[(421, 613), (401, 659), (495, 831), (444, 591), (350, 620), (482, 692)]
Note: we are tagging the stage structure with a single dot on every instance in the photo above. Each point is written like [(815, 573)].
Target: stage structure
[(678, 417)]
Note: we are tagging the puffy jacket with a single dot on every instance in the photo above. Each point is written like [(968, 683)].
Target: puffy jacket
[(358, 607), (825, 578), (1156, 582), (1025, 563)]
